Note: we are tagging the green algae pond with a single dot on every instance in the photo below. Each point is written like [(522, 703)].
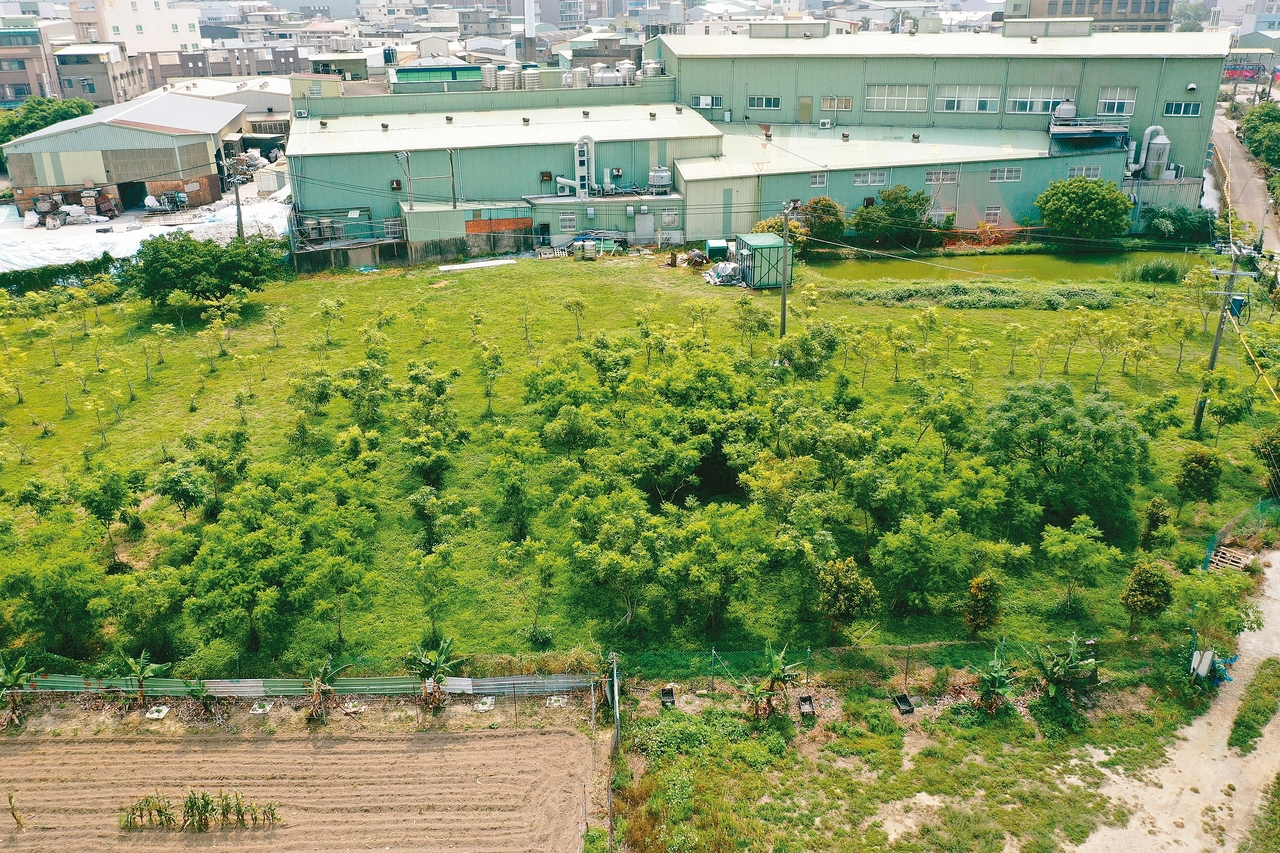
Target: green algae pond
[(1074, 267)]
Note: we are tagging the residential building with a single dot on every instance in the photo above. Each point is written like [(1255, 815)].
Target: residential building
[(100, 73), (26, 58), (141, 26), (1119, 16)]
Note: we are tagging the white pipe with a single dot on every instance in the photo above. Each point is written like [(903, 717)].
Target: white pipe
[(1146, 143), (565, 182)]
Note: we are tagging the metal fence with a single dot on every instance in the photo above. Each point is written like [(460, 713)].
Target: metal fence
[(258, 688)]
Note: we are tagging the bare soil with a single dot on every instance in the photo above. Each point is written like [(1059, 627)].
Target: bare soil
[(337, 790), (1204, 796)]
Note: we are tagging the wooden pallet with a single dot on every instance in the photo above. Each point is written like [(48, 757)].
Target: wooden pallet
[(1229, 558)]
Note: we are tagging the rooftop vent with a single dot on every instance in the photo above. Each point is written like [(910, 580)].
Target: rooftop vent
[(915, 137), (679, 109), (386, 126), (526, 121), (586, 113), (844, 137), (1034, 39), (448, 119), (768, 135), (653, 116), (324, 123)]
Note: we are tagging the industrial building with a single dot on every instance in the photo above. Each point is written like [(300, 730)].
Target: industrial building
[(713, 133), (164, 143)]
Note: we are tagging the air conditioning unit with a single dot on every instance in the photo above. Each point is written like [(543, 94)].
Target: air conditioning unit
[(826, 122), (299, 113)]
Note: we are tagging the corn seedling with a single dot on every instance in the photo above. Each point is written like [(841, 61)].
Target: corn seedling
[(17, 818)]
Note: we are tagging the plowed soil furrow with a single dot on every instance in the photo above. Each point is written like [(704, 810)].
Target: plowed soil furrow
[(487, 793)]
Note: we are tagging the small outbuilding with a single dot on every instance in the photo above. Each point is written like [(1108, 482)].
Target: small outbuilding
[(765, 260), (166, 143)]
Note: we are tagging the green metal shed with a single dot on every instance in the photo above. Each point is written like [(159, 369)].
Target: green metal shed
[(765, 260)]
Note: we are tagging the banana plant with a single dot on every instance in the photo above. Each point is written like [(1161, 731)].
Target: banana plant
[(321, 689), (142, 668), (13, 678), (432, 667)]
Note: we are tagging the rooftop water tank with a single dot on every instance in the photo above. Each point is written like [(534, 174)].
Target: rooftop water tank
[(597, 67), (530, 78), (627, 69), (566, 80), (581, 77), (607, 77), (652, 68), (506, 81), (489, 75), (659, 180), (1065, 110)]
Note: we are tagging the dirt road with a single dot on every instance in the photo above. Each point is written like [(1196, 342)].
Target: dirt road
[(1188, 805), (482, 792)]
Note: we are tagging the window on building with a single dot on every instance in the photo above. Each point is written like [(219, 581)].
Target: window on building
[(87, 86), (13, 65), (569, 221), (992, 216), (942, 176), (1052, 8), (1122, 7), (967, 99), (1008, 175), (1116, 100), (115, 31), (139, 28), (133, 6), (761, 102), (670, 217), (938, 216), (834, 103), (175, 27), (1090, 172), (1107, 7), (706, 102), (1182, 108), (897, 99), (1038, 99), (817, 179), (67, 84), (871, 178), (191, 28)]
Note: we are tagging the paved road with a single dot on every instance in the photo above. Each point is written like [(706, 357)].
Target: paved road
[(1248, 187)]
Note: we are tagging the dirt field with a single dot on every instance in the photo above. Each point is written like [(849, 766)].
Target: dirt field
[(434, 791), (1205, 795)]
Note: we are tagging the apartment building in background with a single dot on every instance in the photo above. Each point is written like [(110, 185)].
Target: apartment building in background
[(1109, 16), (26, 57), (142, 26)]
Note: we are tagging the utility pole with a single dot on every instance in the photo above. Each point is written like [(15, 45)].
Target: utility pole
[(235, 181), (786, 265), (453, 181), (1231, 276)]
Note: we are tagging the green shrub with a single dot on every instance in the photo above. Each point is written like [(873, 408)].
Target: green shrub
[(1261, 699), (1155, 271), (979, 295), (1265, 837)]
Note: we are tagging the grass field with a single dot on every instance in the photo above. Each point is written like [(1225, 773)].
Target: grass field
[(55, 429), (858, 779)]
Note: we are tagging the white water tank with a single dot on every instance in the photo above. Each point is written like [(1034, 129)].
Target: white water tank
[(1064, 111), (652, 68), (489, 76), (627, 69), (506, 81), (1157, 157), (581, 77), (607, 77), (597, 67), (659, 180), (566, 80), (530, 78)]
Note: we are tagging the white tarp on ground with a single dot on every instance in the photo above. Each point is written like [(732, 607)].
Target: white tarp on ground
[(24, 249)]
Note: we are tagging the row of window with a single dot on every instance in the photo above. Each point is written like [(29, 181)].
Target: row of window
[(900, 98), (1003, 175), (670, 218), (115, 31), (1119, 7)]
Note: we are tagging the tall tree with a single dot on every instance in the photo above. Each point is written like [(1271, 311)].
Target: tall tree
[(1084, 207), (1077, 555), (36, 114)]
